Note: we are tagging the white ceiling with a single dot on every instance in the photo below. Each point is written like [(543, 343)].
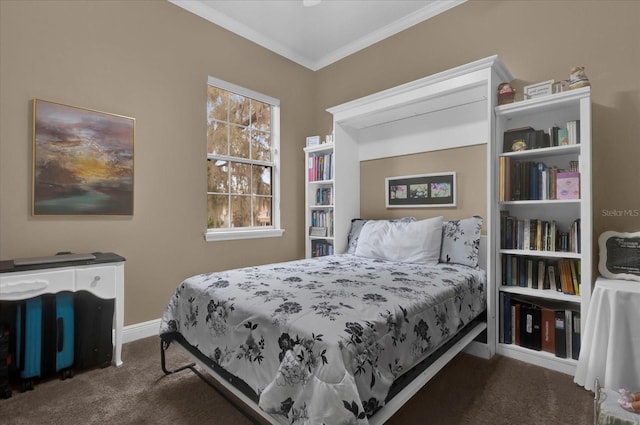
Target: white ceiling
[(316, 36)]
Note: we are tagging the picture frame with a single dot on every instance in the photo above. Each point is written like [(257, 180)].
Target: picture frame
[(313, 141), (83, 161), (544, 88), (422, 190), (619, 255)]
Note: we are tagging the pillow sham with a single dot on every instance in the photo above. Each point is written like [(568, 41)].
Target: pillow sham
[(406, 242), (461, 241), (356, 228)]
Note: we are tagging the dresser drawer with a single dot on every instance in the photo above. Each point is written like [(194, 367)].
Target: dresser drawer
[(20, 286), (100, 281)]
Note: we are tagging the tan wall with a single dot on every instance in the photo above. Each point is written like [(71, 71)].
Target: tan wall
[(538, 41), (148, 60), (471, 182)]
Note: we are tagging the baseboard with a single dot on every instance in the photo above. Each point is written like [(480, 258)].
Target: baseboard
[(140, 330), (478, 349)]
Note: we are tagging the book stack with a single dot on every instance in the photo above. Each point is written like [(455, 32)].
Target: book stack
[(527, 138), (320, 248), (531, 180), (537, 235), (324, 196), (323, 219), (538, 273), (553, 329), (320, 167)]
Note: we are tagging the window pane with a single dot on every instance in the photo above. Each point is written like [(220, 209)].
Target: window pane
[(261, 146), (240, 179), (216, 103), (239, 109), (260, 116), (261, 180), (239, 142), (218, 176), (217, 211), (217, 138), (261, 211), (240, 211)]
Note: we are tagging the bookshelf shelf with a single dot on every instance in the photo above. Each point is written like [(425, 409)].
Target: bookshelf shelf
[(541, 293), (570, 218), (544, 152), (541, 202), (541, 253)]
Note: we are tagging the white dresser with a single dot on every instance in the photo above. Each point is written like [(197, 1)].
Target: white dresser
[(102, 276)]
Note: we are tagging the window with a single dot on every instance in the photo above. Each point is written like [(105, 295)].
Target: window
[(243, 138)]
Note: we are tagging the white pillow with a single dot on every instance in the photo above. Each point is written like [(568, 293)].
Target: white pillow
[(413, 242)]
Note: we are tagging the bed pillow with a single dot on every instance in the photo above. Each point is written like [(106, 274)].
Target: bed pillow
[(356, 227), (406, 242), (461, 241)]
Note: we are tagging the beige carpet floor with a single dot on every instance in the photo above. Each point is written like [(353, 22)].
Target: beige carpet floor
[(468, 390)]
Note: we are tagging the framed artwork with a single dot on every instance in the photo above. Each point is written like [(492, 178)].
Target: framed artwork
[(82, 161), (424, 190), (619, 255)]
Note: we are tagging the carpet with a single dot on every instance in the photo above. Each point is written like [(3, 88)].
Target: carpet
[(469, 390)]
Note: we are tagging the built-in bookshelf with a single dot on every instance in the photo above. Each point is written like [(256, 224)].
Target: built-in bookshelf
[(542, 213), (319, 199)]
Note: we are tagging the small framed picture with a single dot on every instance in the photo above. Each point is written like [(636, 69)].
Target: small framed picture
[(424, 190), (313, 141), (539, 89)]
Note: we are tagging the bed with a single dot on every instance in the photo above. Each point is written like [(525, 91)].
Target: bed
[(336, 339)]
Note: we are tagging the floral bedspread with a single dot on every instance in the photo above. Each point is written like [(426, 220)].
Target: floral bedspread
[(321, 340)]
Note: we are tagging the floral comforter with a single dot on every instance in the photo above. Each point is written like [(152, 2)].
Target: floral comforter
[(321, 340)]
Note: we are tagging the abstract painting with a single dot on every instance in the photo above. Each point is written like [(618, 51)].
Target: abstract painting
[(82, 161)]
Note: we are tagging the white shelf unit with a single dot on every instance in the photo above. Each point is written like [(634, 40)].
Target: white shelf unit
[(450, 109), (541, 114), (315, 205)]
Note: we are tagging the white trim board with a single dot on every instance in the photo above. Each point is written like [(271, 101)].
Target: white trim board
[(142, 330)]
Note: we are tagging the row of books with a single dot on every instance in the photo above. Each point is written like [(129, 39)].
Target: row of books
[(320, 167), (554, 330), (529, 180), (320, 248), (324, 196), (538, 235), (562, 275), (527, 138), (322, 219)]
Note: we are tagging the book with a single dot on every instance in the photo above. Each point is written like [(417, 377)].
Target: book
[(506, 308), (530, 336), (563, 137), (553, 135), (568, 329), (568, 185), (542, 266), (575, 335), (548, 335), (574, 277), (515, 328), (573, 132), (551, 275), (560, 334)]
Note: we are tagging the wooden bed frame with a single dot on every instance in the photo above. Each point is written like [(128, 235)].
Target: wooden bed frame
[(233, 391)]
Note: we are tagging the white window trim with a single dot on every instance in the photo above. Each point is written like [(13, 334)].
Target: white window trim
[(213, 235)]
